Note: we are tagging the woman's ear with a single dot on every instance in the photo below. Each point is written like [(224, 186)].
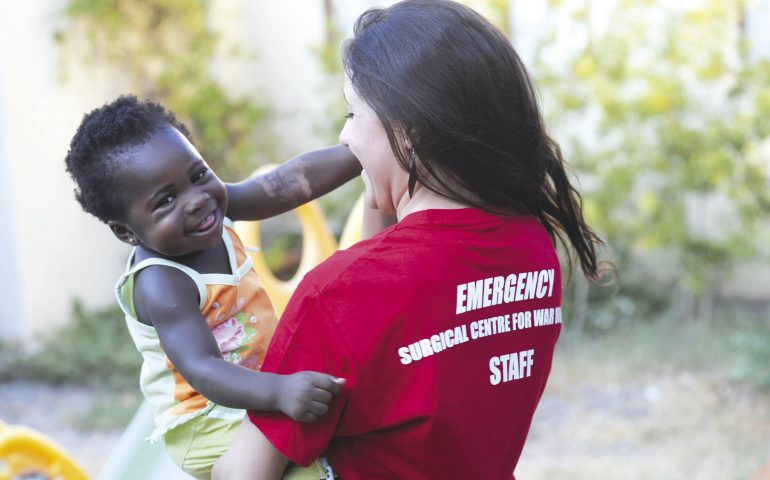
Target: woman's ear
[(123, 232)]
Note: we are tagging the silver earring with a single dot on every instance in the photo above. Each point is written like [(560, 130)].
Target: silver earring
[(412, 172)]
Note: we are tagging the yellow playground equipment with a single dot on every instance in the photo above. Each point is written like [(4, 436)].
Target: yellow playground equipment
[(29, 455)]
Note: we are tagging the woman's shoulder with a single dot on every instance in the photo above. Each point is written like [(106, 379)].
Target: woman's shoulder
[(426, 239), (353, 264)]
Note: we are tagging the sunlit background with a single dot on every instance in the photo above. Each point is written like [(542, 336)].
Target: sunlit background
[(662, 109)]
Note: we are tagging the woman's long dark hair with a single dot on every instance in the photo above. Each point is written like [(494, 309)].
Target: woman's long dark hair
[(445, 80)]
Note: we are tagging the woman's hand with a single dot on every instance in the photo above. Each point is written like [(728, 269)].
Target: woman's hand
[(305, 396)]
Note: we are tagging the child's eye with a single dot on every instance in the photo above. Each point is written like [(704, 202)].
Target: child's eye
[(165, 201), (200, 175), (349, 115)]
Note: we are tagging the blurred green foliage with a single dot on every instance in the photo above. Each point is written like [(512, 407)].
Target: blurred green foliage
[(751, 345), (165, 49), (282, 255), (754, 347), (497, 11), (93, 348), (661, 110)]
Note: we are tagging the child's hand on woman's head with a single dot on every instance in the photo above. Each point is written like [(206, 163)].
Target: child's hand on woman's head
[(305, 396)]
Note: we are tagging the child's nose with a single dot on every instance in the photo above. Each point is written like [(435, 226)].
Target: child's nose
[(198, 201)]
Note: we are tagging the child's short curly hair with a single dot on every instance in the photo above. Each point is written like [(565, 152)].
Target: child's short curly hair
[(94, 157)]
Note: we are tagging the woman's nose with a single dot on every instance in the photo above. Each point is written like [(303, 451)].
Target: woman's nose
[(344, 135)]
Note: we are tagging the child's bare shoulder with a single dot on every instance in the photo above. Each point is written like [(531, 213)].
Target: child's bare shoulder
[(163, 288)]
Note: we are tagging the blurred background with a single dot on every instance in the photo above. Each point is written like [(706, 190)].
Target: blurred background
[(662, 109)]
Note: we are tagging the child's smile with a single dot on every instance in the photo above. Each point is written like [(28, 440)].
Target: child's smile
[(175, 203), (207, 223)]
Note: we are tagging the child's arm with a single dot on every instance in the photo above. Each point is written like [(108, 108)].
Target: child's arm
[(167, 299), (301, 179)]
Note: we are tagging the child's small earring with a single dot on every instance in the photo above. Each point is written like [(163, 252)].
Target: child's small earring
[(132, 241), (412, 172)]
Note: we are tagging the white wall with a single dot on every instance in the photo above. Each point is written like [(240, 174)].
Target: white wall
[(11, 324), (277, 40), (276, 64), (61, 252)]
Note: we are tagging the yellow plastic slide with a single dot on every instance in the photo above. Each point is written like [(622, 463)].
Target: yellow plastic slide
[(27, 454)]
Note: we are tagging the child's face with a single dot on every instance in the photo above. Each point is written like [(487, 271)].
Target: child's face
[(176, 204)]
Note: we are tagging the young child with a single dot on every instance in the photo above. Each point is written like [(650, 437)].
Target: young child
[(193, 303)]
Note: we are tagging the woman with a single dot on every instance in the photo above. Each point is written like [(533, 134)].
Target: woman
[(444, 324)]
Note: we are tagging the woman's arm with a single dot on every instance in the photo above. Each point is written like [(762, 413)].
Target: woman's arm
[(301, 179), (167, 299), (250, 456)]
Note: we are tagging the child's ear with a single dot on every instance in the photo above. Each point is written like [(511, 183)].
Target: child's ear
[(123, 232)]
